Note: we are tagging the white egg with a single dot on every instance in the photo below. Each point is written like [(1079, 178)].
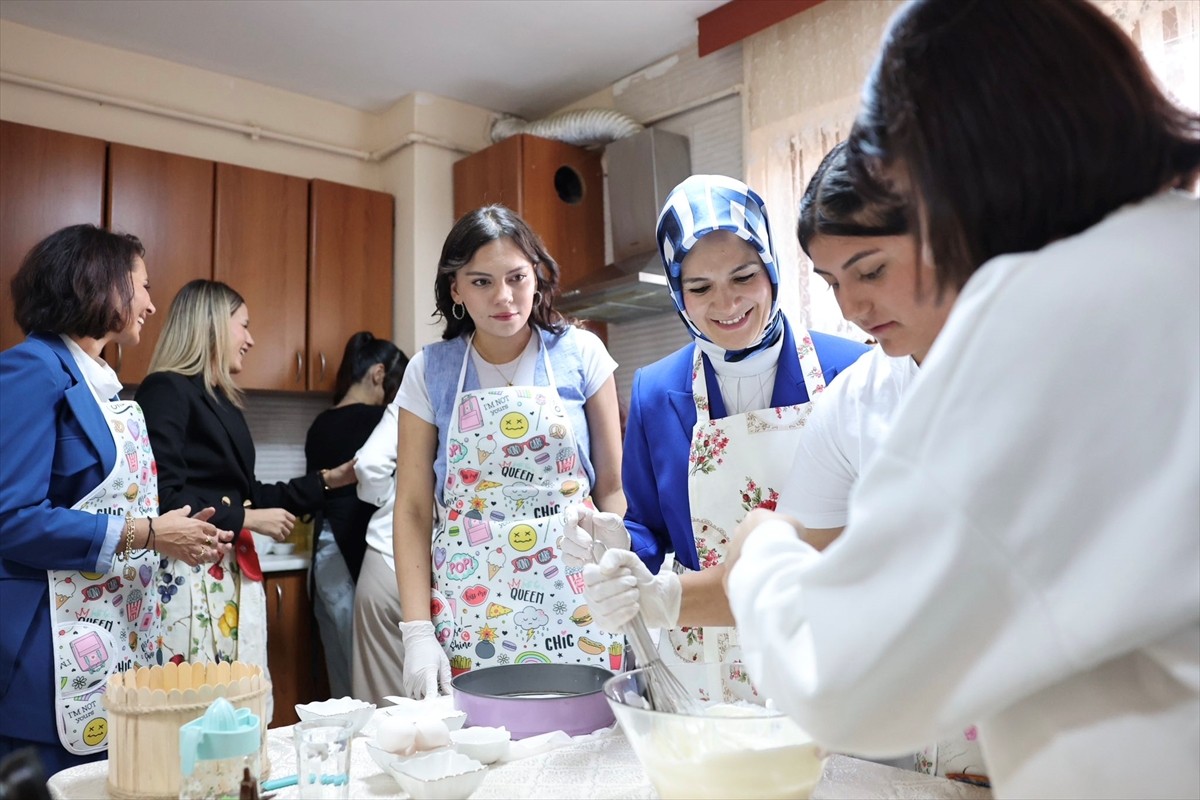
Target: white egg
[(397, 736), (432, 733)]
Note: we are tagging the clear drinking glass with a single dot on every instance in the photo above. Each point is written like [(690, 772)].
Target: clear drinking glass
[(323, 759)]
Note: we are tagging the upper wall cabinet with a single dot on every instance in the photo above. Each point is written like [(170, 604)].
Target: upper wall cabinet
[(349, 272), (167, 201), (49, 180), (260, 249), (557, 188)]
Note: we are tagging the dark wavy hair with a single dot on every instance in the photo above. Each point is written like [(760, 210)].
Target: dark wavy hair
[(363, 351), (77, 281), (1016, 123), (841, 201), (476, 229)]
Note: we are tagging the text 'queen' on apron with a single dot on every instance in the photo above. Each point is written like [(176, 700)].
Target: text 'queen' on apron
[(735, 465), (102, 623), (502, 594)]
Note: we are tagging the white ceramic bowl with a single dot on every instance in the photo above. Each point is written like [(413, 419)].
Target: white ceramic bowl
[(358, 712), (262, 543), (444, 775), (383, 758), (485, 745), (413, 710), (283, 549)]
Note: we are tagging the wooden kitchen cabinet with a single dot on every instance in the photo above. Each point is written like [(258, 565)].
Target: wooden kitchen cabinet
[(349, 272), (556, 187), (294, 654), (260, 249), (165, 200), (49, 180)]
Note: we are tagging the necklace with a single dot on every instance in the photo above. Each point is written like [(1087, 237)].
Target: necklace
[(516, 369)]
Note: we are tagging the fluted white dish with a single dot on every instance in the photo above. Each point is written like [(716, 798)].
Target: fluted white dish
[(357, 711), (444, 775), (485, 745)]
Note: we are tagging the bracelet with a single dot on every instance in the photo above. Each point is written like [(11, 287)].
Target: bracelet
[(324, 481), (129, 533), (150, 537)]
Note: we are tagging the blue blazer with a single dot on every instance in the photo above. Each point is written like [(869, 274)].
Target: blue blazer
[(55, 447), (658, 434)]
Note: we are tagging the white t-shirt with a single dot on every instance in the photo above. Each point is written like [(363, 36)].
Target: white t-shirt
[(597, 365), (1022, 549), (841, 434)]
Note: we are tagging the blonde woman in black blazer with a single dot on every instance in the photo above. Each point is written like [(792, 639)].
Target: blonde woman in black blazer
[(206, 456)]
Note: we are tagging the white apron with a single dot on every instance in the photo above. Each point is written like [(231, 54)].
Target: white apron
[(102, 623), (502, 594), (735, 465)]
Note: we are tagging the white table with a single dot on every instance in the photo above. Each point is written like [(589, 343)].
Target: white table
[(602, 766)]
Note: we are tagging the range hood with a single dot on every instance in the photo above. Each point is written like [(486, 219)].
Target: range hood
[(642, 170)]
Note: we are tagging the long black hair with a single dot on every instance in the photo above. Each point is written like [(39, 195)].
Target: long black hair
[(363, 351), (476, 229)]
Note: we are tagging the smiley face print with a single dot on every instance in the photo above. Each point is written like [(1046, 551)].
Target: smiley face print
[(514, 425), (95, 731), (522, 537)]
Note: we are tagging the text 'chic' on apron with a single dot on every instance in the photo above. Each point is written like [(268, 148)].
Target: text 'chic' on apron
[(502, 594), (735, 464), (103, 623)]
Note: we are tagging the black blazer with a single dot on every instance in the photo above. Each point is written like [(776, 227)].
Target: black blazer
[(206, 457)]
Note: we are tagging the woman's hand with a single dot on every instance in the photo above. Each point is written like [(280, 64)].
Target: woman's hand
[(274, 522), (192, 540), (341, 475)]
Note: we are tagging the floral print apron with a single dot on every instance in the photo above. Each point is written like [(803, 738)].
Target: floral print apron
[(102, 623), (735, 465), (502, 594)]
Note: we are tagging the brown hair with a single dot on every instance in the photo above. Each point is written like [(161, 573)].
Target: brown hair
[(476, 229), (1016, 123), (840, 201), (77, 281)]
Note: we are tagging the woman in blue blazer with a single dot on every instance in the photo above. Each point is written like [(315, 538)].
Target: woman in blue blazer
[(79, 531), (712, 428)]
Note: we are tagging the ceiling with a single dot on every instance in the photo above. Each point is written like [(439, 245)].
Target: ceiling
[(526, 57)]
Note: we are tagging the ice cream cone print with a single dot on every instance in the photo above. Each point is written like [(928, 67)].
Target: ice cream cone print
[(485, 448), (64, 590), (495, 560)]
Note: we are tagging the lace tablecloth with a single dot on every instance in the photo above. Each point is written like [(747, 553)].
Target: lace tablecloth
[(601, 766)]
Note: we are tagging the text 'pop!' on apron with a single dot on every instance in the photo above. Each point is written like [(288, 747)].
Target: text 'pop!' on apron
[(502, 594), (103, 623), (735, 465)]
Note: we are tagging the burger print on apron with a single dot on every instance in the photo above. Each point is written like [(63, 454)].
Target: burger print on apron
[(102, 623), (735, 465), (502, 594)]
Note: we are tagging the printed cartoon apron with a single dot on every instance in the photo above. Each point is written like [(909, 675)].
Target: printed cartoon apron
[(735, 465), (102, 623), (502, 594)]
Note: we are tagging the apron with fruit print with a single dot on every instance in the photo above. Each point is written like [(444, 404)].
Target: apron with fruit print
[(735, 464), (502, 594), (104, 623)]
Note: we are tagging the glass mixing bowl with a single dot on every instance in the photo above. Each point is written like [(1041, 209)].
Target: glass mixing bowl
[(735, 748)]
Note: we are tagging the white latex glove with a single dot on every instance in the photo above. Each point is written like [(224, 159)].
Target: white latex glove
[(620, 585), (426, 667), (582, 526)]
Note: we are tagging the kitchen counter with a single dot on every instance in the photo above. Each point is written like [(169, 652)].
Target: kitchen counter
[(274, 563), (595, 767)]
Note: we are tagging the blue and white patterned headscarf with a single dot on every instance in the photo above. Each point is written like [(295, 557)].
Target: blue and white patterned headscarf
[(697, 207)]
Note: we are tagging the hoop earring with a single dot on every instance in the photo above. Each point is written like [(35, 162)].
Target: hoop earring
[(458, 311), (537, 298)]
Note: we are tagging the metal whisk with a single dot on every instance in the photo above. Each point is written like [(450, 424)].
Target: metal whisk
[(663, 690)]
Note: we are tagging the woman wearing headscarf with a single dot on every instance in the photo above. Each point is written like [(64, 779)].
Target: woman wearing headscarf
[(713, 427)]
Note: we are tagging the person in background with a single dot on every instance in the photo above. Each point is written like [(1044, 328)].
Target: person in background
[(1021, 551), (713, 427), (377, 668), (80, 531), (507, 422), (206, 458), (366, 382)]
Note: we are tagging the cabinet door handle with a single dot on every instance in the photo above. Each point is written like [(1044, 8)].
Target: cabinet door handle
[(299, 366), (279, 598), (322, 367)]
